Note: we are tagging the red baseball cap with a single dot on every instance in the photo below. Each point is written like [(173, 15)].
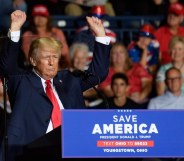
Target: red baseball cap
[(98, 11), (147, 30), (176, 8), (40, 10)]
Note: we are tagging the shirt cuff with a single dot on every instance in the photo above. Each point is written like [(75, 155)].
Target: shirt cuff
[(104, 40), (14, 35)]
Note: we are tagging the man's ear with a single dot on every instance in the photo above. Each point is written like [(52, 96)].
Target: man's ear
[(32, 61), (127, 88)]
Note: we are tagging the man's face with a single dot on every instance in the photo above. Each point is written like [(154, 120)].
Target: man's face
[(174, 20), (119, 87), (46, 63), (143, 42), (174, 81)]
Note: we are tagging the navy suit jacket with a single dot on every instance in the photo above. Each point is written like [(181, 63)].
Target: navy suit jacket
[(31, 107)]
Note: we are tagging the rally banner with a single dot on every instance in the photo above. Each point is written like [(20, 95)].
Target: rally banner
[(122, 133)]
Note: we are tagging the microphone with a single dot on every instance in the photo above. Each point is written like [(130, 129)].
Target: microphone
[(84, 74)]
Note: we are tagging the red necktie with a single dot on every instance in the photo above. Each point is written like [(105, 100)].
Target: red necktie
[(56, 112)]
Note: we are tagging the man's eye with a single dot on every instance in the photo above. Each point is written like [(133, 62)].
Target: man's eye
[(56, 57), (45, 57)]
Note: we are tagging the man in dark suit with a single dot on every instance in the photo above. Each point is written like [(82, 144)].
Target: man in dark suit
[(31, 107)]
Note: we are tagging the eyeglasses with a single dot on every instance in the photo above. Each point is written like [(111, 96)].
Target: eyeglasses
[(173, 79)]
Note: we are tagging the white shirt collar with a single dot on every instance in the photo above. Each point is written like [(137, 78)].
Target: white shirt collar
[(42, 80)]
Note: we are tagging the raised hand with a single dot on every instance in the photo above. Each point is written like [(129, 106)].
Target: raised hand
[(96, 26), (17, 20)]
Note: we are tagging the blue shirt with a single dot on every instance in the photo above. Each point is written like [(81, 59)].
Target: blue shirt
[(167, 101), (135, 53)]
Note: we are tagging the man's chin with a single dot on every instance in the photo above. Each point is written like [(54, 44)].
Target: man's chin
[(51, 75)]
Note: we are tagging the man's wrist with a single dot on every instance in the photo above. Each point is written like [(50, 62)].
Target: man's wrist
[(14, 35), (104, 40)]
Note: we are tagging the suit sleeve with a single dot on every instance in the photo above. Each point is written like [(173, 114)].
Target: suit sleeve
[(8, 57), (99, 66)]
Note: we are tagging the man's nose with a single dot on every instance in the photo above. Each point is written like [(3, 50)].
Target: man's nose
[(51, 61)]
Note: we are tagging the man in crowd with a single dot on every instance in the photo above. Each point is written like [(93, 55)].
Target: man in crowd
[(119, 85), (172, 98), (171, 28)]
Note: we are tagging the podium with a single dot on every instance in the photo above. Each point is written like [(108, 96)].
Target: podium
[(47, 148)]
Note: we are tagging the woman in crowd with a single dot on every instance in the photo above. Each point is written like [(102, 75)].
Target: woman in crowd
[(79, 55), (80, 59), (176, 48), (40, 26), (140, 81)]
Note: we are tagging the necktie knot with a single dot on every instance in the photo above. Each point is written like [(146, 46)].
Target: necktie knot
[(48, 83)]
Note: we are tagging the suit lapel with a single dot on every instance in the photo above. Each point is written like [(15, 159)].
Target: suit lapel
[(36, 83), (60, 90)]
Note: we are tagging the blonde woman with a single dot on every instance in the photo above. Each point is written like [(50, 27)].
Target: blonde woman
[(176, 48)]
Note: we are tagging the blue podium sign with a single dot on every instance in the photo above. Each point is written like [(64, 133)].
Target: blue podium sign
[(122, 133)]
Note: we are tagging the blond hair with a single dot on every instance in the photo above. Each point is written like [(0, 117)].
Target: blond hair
[(42, 43), (128, 63), (174, 40)]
